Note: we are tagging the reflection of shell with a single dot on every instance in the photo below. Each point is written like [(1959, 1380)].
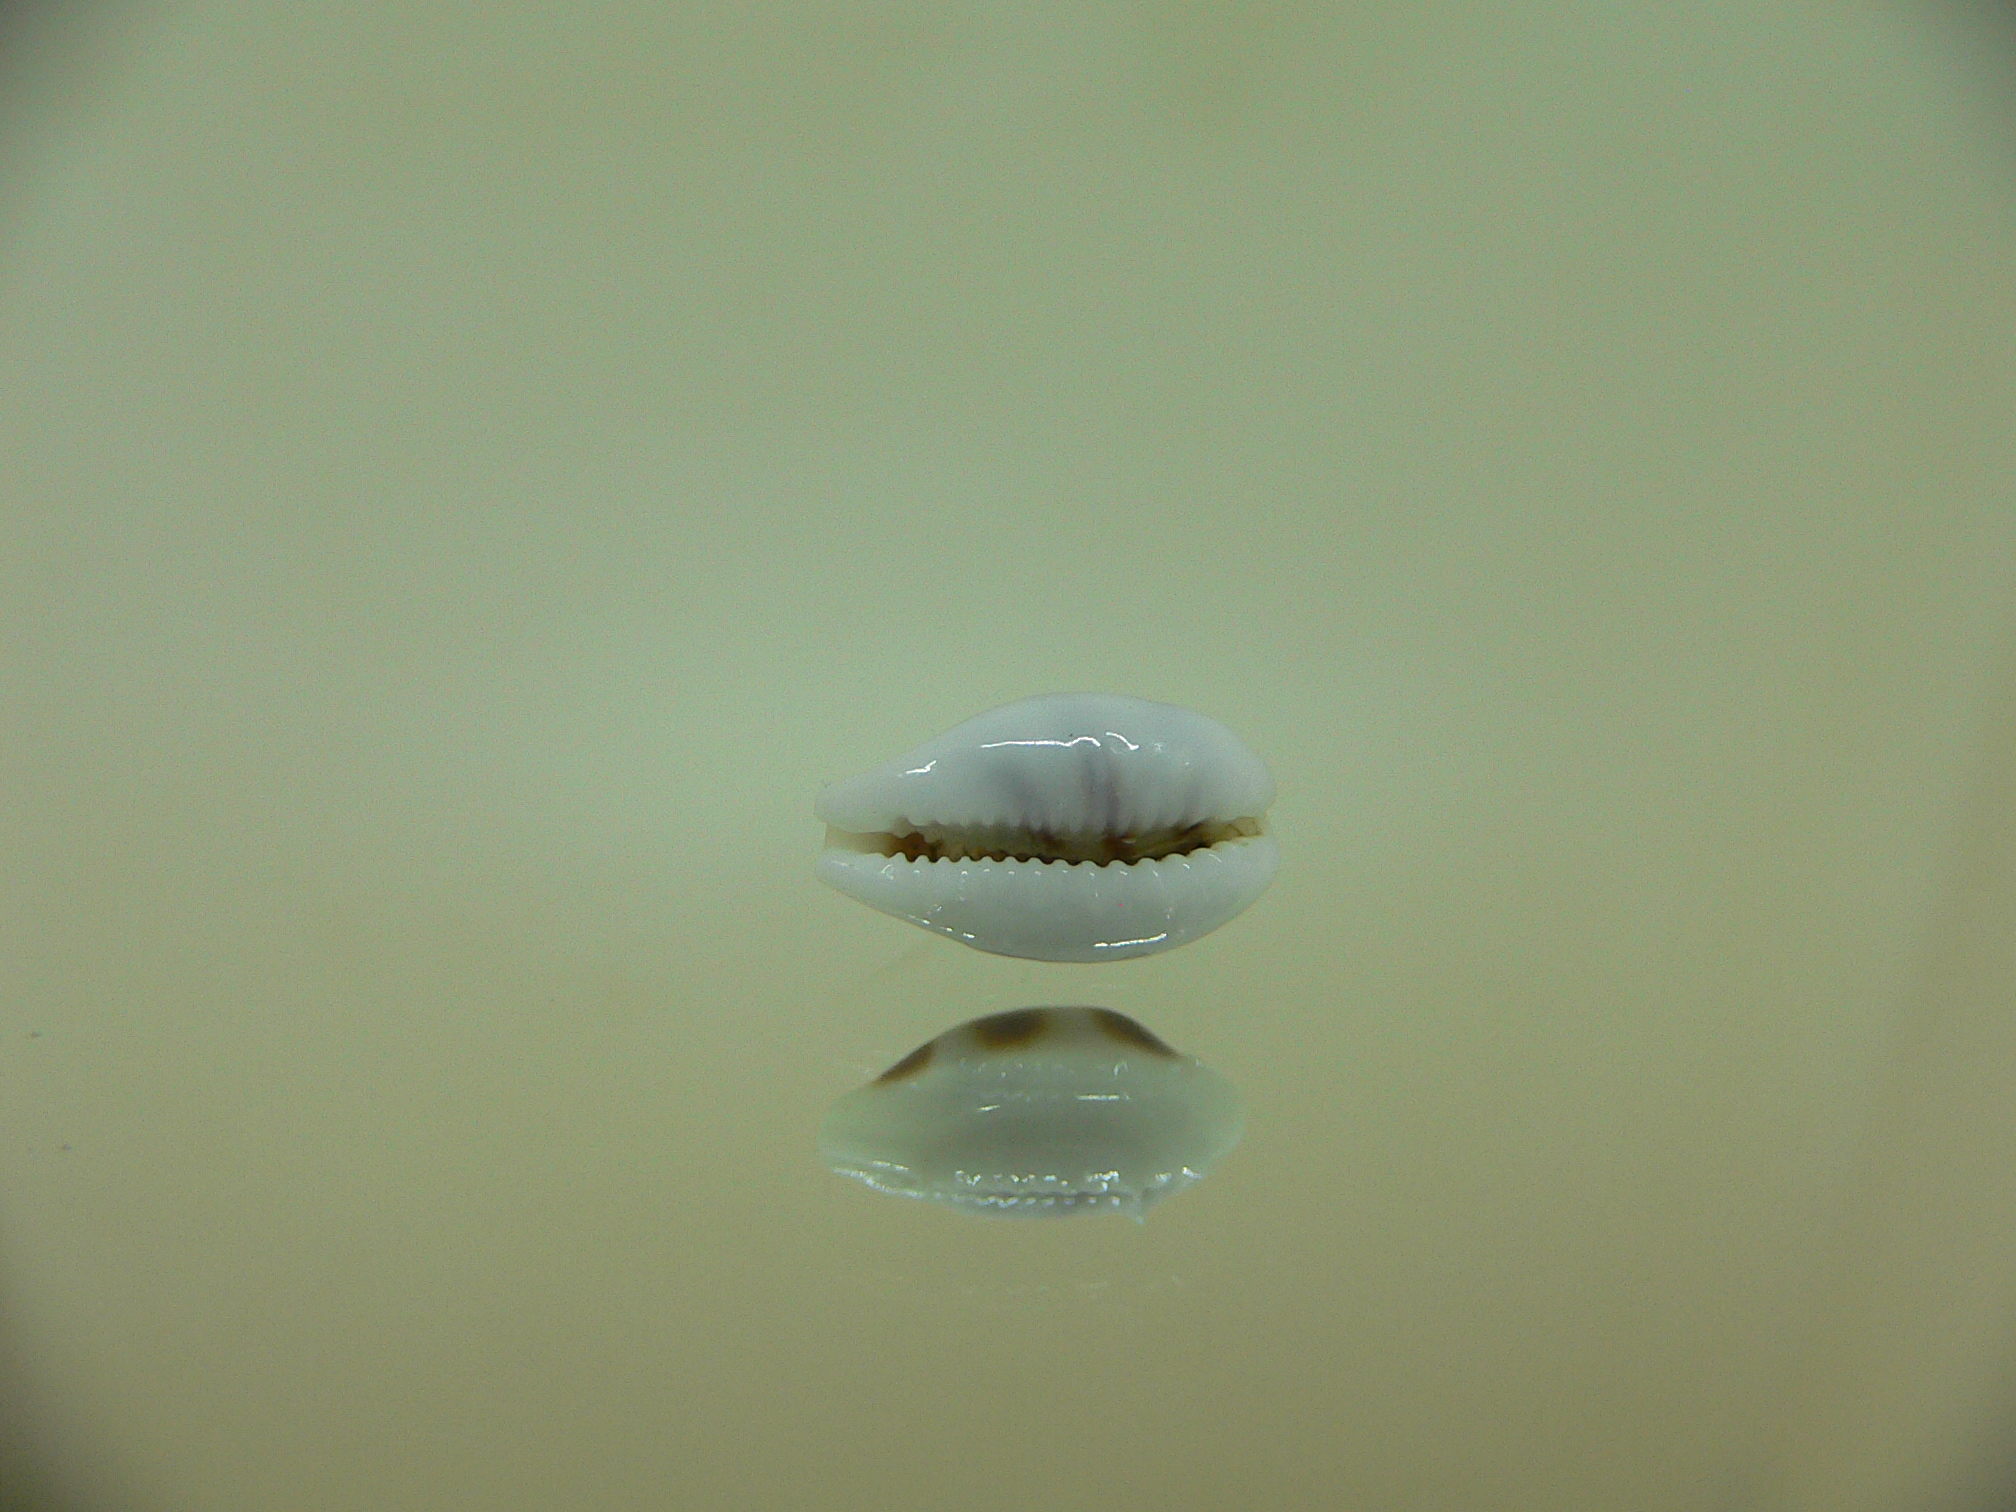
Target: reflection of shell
[(1075, 827), (1037, 1111)]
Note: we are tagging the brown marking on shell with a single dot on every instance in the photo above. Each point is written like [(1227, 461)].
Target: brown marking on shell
[(1018, 1026), (911, 1064), (1122, 1028)]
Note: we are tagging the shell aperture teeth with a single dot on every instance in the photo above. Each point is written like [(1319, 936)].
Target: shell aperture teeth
[(1071, 827), (1004, 843)]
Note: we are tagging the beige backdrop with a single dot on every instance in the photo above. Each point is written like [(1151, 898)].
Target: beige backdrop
[(468, 475)]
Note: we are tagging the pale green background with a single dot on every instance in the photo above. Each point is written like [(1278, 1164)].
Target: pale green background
[(469, 474)]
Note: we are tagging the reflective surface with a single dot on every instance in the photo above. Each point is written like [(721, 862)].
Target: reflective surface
[(467, 478), (1037, 1112)]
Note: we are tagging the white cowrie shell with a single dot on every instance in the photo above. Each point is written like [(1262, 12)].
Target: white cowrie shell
[(1037, 1112), (1070, 827)]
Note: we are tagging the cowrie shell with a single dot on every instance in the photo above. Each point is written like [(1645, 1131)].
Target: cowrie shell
[(1070, 827)]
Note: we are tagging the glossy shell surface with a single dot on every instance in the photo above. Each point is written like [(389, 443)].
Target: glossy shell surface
[(1071, 827), (1037, 1112)]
